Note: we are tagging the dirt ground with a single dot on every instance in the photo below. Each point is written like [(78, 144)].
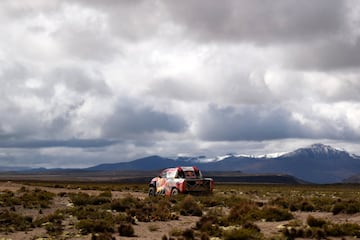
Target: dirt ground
[(144, 230)]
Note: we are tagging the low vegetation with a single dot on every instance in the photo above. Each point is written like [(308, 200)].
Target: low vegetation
[(36, 198), (318, 228), (11, 221), (232, 212)]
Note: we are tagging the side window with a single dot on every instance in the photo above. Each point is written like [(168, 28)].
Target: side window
[(198, 174), (163, 174), (181, 174)]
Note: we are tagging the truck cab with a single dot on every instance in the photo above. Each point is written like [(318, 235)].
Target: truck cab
[(186, 179)]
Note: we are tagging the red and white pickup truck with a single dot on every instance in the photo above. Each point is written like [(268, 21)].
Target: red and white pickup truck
[(172, 181)]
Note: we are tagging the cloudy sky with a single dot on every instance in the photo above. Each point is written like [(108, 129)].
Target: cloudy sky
[(84, 82)]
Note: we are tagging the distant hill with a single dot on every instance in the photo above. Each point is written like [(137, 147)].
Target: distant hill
[(237, 177), (68, 175), (317, 163), (352, 179), (9, 169), (147, 163)]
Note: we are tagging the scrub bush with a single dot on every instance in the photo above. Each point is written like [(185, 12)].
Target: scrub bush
[(126, 230), (189, 207), (242, 234), (10, 222)]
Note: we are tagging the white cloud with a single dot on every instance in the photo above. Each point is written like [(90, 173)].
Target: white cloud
[(125, 79)]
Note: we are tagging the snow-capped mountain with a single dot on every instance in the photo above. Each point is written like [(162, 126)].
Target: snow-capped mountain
[(204, 159), (317, 149), (317, 163)]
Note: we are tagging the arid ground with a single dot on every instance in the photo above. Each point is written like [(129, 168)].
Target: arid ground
[(54, 210)]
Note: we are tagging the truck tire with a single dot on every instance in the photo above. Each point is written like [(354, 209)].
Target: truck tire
[(152, 191), (174, 192)]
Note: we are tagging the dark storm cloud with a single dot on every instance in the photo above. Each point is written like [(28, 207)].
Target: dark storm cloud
[(4, 135), (259, 21), (327, 56), (21, 116), (248, 123), (237, 87), (71, 143), (19, 9), (176, 89), (131, 20), (17, 125), (87, 41), (13, 71), (254, 21), (132, 119), (61, 124), (258, 123), (13, 75), (79, 80)]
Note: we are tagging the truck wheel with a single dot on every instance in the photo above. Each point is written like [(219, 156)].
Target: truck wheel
[(152, 191), (174, 192)]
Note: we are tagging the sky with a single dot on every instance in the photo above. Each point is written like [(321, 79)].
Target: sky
[(84, 82)]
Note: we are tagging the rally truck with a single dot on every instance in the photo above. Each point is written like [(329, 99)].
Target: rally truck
[(173, 181)]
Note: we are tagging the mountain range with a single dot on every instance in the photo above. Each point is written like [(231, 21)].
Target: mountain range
[(317, 163)]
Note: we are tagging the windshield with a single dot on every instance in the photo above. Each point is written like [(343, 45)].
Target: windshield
[(171, 173)]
